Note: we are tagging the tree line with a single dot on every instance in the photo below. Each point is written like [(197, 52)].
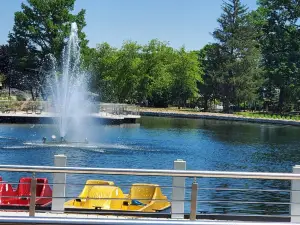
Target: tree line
[(153, 74), (252, 63)]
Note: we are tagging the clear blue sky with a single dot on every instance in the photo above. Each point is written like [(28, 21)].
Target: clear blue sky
[(180, 22)]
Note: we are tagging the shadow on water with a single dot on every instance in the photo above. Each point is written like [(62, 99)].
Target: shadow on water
[(157, 142)]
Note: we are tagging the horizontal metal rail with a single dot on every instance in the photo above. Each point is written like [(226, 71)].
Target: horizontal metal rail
[(151, 172), (71, 221)]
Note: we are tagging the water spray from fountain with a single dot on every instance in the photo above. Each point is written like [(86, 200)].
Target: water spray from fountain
[(67, 86)]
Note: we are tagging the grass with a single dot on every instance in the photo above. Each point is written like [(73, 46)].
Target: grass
[(261, 115), (268, 115)]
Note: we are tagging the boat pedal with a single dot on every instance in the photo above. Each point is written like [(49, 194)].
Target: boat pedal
[(78, 200)]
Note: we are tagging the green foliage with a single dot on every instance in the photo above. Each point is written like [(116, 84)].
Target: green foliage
[(156, 79), (40, 28), (268, 116), (254, 61), (209, 58), (128, 67), (280, 44), (45, 24), (186, 74), (4, 62), (237, 55), (135, 73)]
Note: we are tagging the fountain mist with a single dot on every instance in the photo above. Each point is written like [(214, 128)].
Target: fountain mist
[(67, 87)]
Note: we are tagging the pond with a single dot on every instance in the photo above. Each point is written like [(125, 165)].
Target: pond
[(156, 142)]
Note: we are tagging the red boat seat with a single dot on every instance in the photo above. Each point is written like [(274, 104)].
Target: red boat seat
[(6, 193), (21, 196), (23, 189)]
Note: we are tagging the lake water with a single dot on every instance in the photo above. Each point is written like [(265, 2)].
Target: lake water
[(157, 142)]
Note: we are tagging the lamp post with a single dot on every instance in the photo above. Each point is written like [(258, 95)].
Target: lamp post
[(10, 74)]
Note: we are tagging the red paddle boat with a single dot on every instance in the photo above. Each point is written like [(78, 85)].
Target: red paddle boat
[(21, 195)]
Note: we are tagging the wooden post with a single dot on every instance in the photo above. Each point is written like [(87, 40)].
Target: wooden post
[(194, 198), (32, 196)]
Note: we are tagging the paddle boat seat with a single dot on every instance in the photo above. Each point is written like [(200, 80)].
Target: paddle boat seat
[(82, 200), (102, 198), (21, 195), (147, 198)]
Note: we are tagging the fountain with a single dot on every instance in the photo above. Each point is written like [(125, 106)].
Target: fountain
[(67, 87)]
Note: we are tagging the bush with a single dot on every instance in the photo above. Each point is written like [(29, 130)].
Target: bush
[(20, 98)]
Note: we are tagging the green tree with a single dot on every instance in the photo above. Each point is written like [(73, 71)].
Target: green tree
[(45, 24), (186, 73), (102, 63), (239, 55), (23, 68), (155, 80), (40, 28), (128, 72), (209, 57), (279, 23), (4, 59), (4, 63)]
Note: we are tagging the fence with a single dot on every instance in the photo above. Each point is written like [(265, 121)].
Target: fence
[(179, 188), (7, 106), (73, 221), (118, 109)]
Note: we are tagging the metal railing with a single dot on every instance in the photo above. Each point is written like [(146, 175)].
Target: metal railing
[(88, 221), (10, 106), (181, 193), (119, 109), (151, 172)]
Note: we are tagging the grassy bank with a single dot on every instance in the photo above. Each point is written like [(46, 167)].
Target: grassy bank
[(259, 115), (268, 115)]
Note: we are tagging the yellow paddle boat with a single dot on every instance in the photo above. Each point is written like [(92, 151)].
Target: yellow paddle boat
[(104, 195)]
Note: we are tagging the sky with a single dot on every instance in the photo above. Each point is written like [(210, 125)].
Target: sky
[(186, 23)]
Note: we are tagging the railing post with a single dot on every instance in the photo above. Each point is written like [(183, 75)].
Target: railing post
[(32, 195), (194, 197), (178, 192), (59, 185), (295, 197)]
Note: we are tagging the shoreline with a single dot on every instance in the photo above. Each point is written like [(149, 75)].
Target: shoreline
[(213, 116)]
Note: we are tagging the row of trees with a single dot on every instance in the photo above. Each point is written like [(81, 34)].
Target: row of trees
[(153, 73), (255, 57), (253, 61)]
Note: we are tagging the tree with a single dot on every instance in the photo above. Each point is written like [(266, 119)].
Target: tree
[(238, 56), (4, 59), (128, 71), (186, 73), (156, 78), (41, 28), (279, 22), (102, 62), (209, 57), (4, 63)]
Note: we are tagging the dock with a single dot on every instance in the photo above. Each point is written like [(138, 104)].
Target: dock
[(49, 118), (43, 113)]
